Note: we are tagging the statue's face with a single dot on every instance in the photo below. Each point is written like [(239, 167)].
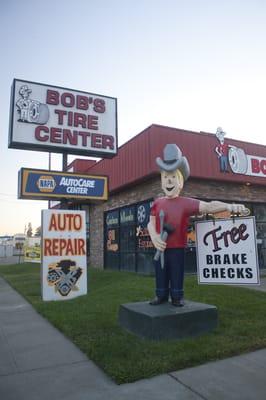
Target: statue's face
[(172, 183)]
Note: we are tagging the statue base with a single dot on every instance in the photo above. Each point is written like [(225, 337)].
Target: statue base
[(164, 322)]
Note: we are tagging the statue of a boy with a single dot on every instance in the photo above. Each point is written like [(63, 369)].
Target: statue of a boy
[(169, 216)]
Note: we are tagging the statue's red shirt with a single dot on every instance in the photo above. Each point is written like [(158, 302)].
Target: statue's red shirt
[(177, 212)]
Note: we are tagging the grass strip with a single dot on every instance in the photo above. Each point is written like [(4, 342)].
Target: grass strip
[(91, 322)]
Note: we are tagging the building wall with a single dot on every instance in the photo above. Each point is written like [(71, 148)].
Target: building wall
[(136, 159), (198, 188)]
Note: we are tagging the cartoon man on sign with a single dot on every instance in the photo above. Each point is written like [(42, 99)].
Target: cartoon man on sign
[(222, 150), (31, 111), (169, 221)]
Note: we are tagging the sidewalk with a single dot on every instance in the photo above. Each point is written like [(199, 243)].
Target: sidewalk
[(38, 363)]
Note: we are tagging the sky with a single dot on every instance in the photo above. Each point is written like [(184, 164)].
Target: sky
[(189, 64)]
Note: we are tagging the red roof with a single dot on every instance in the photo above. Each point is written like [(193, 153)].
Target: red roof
[(135, 160), (80, 165)]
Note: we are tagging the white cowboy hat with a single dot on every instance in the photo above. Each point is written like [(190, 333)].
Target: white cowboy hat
[(172, 160)]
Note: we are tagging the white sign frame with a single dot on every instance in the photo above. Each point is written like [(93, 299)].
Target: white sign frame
[(227, 252), (61, 120), (64, 254)]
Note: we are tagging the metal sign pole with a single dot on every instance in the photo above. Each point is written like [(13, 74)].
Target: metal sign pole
[(64, 166), (64, 169)]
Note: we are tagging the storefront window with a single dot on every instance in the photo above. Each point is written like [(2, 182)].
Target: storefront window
[(145, 249), (127, 242), (111, 239), (260, 212), (127, 216), (144, 243), (127, 238)]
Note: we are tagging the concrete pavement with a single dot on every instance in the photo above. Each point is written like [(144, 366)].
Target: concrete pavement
[(37, 362)]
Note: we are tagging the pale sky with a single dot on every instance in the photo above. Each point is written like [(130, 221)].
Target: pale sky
[(190, 64)]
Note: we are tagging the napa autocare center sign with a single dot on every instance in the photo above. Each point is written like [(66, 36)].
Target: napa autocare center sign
[(64, 261), (46, 185), (55, 119), (227, 251)]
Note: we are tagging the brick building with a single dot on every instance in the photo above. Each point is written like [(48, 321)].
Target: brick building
[(118, 236)]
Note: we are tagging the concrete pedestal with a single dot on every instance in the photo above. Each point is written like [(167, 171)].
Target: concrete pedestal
[(166, 321)]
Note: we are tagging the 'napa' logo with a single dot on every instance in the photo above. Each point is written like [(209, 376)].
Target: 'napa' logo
[(46, 183)]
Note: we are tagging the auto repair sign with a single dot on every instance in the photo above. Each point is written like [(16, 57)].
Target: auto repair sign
[(64, 261), (55, 119), (227, 251)]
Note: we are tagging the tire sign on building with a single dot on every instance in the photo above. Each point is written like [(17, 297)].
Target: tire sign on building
[(64, 261), (227, 251)]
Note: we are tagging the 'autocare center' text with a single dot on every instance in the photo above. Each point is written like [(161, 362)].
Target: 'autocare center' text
[(77, 186)]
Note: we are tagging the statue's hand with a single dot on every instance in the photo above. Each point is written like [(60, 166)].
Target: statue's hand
[(158, 243), (238, 209)]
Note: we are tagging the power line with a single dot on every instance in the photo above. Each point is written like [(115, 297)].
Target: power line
[(19, 202), (8, 195)]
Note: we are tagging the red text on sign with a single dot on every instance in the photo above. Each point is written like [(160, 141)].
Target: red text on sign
[(75, 138), (64, 247), (65, 222), (258, 166), (77, 119), (69, 100)]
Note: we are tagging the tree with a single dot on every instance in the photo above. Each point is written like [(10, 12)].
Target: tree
[(38, 231), (29, 230)]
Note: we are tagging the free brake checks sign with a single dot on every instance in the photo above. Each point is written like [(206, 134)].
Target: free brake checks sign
[(227, 251)]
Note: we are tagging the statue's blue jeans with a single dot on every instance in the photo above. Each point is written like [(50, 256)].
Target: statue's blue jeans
[(170, 279)]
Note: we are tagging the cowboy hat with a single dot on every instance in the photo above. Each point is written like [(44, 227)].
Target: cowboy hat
[(172, 160)]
